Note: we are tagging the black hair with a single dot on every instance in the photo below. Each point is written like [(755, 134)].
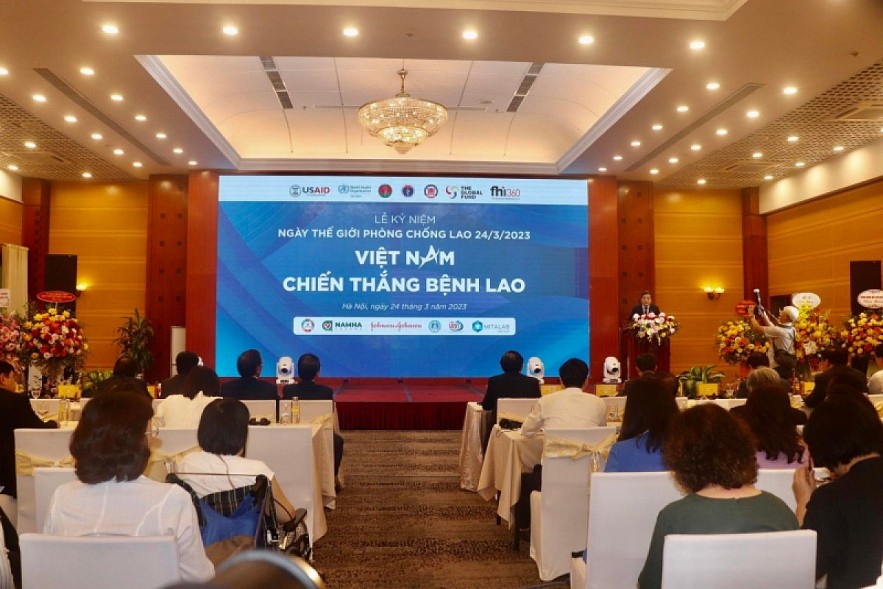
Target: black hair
[(512, 361), (308, 367), (573, 373), (841, 428), (223, 427), (248, 363)]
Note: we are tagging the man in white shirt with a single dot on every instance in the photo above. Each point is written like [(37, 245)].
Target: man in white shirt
[(875, 385), (570, 407)]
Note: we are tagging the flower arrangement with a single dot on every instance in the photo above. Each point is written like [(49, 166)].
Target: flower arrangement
[(53, 341), (862, 332), (654, 328), (814, 333), (736, 340), (10, 338)]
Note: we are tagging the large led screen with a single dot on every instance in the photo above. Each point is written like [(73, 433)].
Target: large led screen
[(402, 277)]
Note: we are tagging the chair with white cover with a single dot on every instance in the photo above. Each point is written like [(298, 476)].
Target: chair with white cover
[(615, 406), (168, 449), (767, 560), (729, 403), (98, 562), (262, 408), (311, 411), (514, 409), (559, 512), (33, 448), (622, 514), (46, 480), (778, 481)]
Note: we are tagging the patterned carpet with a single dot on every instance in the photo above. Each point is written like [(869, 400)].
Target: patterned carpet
[(402, 522)]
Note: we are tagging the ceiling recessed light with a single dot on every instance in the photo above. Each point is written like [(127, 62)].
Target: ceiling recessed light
[(586, 40), (178, 150), (192, 163), (695, 147), (839, 148), (789, 90), (636, 143), (602, 169), (230, 30), (799, 164), (70, 119), (87, 71), (118, 151), (657, 127), (617, 158), (470, 35), (12, 168), (793, 138), (30, 145), (87, 175), (721, 132), (683, 108), (768, 177), (350, 32), (697, 45), (110, 29), (116, 97), (161, 135), (713, 86), (701, 181), (654, 171), (673, 160), (752, 114), (97, 136), (136, 164), (4, 71), (39, 98), (140, 118), (757, 155)]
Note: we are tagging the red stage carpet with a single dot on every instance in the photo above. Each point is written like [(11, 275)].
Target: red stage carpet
[(395, 404)]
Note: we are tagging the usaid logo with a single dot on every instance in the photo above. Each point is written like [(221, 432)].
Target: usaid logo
[(294, 190)]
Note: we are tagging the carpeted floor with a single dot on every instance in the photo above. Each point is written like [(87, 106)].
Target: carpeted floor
[(402, 522)]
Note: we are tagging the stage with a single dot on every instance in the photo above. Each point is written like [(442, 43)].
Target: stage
[(411, 404)]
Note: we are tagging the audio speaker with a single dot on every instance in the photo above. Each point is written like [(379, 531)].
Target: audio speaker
[(863, 275)]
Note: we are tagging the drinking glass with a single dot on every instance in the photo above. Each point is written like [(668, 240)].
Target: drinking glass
[(285, 412), (42, 409)]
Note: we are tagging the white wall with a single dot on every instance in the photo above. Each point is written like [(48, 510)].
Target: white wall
[(10, 186)]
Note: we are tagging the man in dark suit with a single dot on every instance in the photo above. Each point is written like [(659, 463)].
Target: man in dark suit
[(124, 378), (646, 366), (835, 371), (184, 362), (15, 413), (249, 386), (510, 384), (307, 390), (646, 305)]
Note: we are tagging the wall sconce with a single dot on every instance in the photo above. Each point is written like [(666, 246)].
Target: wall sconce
[(81, 288), (713, 294)]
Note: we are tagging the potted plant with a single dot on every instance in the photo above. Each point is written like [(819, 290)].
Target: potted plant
[(690, 379), (134, 341)]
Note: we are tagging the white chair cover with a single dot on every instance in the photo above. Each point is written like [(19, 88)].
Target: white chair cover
[(770, 560), (46, 480), (515, 409), (155, 404), (729, 403), (168, 449), (559, 513), (622, 514), (98, 562), (265, 408), (50, 404), (316, 412), (324, 413), (6, 580), (778, 482), (615, 407), (36, 447), (471, 454)]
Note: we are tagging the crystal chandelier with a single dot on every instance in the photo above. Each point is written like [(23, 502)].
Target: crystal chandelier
[(402, 122)]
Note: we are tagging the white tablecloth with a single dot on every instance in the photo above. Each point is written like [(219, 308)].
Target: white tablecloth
[(471, 454), (508, 455)]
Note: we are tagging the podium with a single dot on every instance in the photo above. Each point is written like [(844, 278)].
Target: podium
[(629, 348)]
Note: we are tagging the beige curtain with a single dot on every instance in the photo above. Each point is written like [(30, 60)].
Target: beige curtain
[(14, 276)]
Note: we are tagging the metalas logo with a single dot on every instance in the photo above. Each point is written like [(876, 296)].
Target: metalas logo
[(385, 191), (455, 326), (328, 325), (452, 191), (307, 325), (477, 326), (431, 191), (294, 190), (407, 191), (434, 326)]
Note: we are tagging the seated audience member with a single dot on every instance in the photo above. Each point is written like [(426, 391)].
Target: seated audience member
[(844, 435), (875, 384), (668, 382), (221, 464), (249, 386), (836, 370), (111, 447), (646, 367), (124, 378), (712, 457), (201, 387), (307, 390), (512, 384), (174, 385), (769, 415), (764, 376), (569, 407), (648, 412), (754, 360)]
